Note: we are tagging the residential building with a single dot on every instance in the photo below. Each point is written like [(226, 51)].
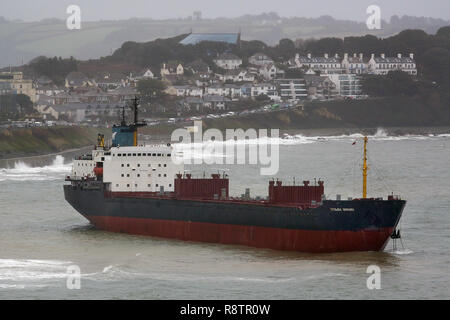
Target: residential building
[(215, 102), (172, 68), (268, 89), (77, 79), (260, 59), (270, 72), (382, 65), (356, 64), (14, 83), (183, 91), (228, 61), (347, 85), (292, 89), (325, 64), (320, 87), (237, 75)]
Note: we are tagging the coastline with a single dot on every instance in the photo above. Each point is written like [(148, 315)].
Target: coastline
[(308, 132)]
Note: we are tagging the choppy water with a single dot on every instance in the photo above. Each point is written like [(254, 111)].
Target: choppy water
[(41, 235)]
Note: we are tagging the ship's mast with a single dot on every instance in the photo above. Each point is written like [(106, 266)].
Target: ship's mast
[(365, 168)]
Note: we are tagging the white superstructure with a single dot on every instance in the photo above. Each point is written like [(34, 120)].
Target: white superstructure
[(131, 169)]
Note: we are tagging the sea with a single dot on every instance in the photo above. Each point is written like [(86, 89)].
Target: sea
[(45, 244)]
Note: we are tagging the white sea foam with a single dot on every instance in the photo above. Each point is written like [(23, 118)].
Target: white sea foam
[(22, 271), (24, 172), (402, 252)]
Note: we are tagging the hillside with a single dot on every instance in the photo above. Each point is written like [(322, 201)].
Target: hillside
[(35, 141), (22, 41)]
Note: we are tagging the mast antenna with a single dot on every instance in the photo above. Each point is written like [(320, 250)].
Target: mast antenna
[(365, 168)]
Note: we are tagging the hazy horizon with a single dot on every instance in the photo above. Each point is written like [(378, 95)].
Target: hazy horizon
[(172, 9)]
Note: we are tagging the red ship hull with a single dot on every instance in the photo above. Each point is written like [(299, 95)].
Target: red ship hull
[(261, 237)]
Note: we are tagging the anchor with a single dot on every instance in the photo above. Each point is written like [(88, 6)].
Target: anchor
[(394, 236)]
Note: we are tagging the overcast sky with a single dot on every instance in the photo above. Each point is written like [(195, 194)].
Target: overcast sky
[(33, 10)]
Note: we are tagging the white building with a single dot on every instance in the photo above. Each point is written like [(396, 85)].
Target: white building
[(237, 75), (270, 72), (292, 89), (382, 65), (325, 64), (172, 68), (347, 85), (228, 61), (267, 89), (355, 64), (260, 59), (185, 91)]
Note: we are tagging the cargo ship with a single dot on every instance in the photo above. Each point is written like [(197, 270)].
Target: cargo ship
[(139, 189)]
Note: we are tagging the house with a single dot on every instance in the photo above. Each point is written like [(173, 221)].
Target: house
[(77, 79), (77, 112), (267, 89), (172, 68), (325, 64), (233, 91), (292, 89), (145, 73), (218, 90), (108, 80), (382, 65), (246, 90), (320, 87), (270, 72), (355, 64), (260, 59), (183, 91), (237, 75), (215, 102), (228, 61), (123, 94), (191, 103)]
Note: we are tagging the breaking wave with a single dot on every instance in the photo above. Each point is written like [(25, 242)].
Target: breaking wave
[(24, 172), (218, 148)]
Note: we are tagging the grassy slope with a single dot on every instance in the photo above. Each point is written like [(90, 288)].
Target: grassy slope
[(32, 141)]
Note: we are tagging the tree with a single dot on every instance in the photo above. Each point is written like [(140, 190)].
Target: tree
[(151, 89), (392, 84)]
